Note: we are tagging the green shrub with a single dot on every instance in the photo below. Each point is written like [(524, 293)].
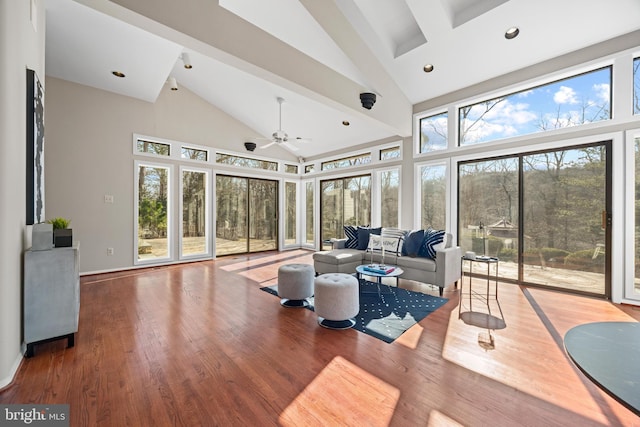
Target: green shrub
[(583, 260), (508, 255)]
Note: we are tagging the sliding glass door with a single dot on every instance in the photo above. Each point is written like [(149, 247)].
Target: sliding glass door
[(246, 215), (566, 215), (546, 215)]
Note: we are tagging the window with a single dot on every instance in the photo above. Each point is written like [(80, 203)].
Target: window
[(389, 197), (433, 133), (390, 153), (246, 215), (153, 201), (636, 86), (433, 200), (309, 168), (195, 213), (151, 147), (195, 154), (309, 235), (247, 162), (574, 101), (290, 217), (291, 168), (356, 160), (345, 201)]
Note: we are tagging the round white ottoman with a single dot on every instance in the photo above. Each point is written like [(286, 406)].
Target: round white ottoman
[(295, 284), (336, 300)]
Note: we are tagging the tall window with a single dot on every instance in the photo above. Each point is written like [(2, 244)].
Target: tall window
[(636, 86), (389, 197), (290, 218), (434, 133), (433, 196), (488, 209), (153, 212), (574, 101), (195, 213), (344, 201), (309, 217)]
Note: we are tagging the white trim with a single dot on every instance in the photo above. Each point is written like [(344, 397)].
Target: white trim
[(6, 381), (629, 293)]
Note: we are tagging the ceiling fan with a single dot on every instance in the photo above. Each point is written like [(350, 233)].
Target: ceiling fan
[(280, 136)]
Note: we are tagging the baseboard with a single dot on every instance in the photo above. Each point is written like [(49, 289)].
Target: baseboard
[(5, 382)]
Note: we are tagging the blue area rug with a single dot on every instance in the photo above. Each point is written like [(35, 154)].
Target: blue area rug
[(388, 314)]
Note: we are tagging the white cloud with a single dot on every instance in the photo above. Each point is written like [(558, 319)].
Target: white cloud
[(602, 91), (565, 95)]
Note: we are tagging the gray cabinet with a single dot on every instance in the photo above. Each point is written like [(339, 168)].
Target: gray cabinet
[(51, 296)]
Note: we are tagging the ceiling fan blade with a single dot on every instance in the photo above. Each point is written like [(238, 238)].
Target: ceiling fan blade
[(268, 145), (290, 146)]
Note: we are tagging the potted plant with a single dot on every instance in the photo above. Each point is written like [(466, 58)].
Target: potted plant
[(62, 234)]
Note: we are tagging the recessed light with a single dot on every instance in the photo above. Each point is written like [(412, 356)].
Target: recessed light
[(428, 68), (346, 122), (118, 74), (511, 33)]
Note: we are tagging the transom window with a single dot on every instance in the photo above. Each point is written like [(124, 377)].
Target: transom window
[(582, 99), (390, 153), (247, 162), (194, 154), (152, 147), (358, 159)]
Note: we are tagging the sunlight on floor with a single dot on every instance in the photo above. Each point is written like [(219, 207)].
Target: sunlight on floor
[(341, 395), (492, 356), (411, 337), (438, 419)]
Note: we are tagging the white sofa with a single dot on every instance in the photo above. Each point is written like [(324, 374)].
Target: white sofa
[(442, 271)]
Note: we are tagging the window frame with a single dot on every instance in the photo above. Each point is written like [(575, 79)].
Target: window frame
[(208, 211), (136, 211)]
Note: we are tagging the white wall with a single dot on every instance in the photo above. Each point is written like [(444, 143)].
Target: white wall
[(21, 47), (89, 155)]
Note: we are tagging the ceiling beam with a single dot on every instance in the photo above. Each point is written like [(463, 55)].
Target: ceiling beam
[(204, 26)]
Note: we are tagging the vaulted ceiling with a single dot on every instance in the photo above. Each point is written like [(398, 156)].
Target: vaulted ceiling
[(318, 55)]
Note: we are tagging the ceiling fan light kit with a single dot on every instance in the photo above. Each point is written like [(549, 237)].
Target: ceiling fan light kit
[(280, 136)]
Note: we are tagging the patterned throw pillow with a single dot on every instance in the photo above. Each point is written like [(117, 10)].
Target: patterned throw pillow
[(395, 238), (351, 233), (431, 239)]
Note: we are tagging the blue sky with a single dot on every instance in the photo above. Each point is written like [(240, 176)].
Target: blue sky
[(580, 99)]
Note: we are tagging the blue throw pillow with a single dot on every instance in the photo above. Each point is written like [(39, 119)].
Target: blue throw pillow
[(363, 236), (412, 243), (431, 238), (351, 233)]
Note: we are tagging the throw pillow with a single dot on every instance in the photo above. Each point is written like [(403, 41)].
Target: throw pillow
[(375, 242), (431, 239), (351, 233), (412, 243), (397, 234), (363, 236)]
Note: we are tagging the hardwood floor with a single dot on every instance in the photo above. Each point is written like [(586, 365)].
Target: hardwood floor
[(201, 344)]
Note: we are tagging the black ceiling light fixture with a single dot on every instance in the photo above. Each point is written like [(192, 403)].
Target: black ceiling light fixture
[(367, 99), (511, 33), (250, 146)]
